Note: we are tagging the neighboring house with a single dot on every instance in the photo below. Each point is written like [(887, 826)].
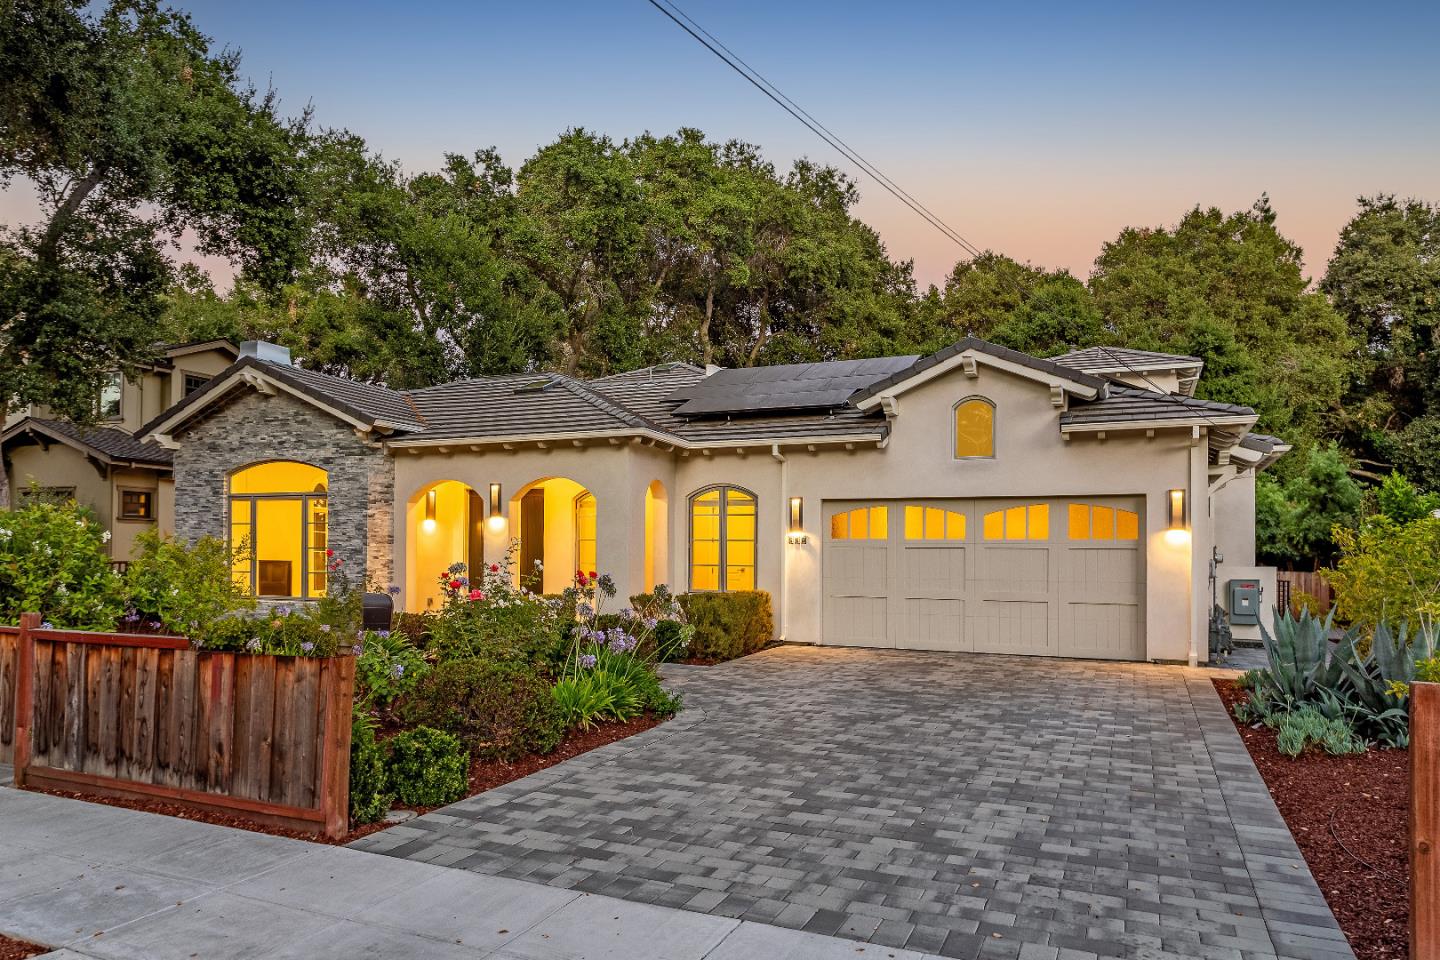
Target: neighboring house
[(105, 467), (975, 499)]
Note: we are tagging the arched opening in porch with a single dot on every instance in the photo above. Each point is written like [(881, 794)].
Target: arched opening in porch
[(446, 525), (556, 521)]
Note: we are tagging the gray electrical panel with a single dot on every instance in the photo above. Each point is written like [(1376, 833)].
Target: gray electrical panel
[(1244, 605)]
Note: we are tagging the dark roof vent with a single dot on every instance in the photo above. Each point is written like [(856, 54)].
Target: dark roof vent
[(536, 386)]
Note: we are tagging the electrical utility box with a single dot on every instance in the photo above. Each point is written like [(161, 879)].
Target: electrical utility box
[(1244, 601)]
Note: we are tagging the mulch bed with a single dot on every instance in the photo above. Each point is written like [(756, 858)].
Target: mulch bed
[(1350, 818), (484, 775), (19, 949)]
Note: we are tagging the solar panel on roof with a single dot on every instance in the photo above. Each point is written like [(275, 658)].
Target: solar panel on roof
[(792, 386)]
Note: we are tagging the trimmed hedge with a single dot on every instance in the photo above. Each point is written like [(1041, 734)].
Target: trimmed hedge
[(502, 711), (369, 799), (427, 768), (728, 625)]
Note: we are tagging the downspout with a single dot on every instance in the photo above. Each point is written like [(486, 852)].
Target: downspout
[(785, 550)]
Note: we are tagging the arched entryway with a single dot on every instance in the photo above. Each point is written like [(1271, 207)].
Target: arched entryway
[(446, 524), (556, 521)]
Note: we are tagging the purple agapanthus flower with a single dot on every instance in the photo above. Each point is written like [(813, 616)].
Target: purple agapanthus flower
[(398, 671), (358, 650), (324, 628), (393, 590), (307, 647), (382, 633), (587, 660)]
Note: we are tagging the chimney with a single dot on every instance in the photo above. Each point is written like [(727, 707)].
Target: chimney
[(266, 351)]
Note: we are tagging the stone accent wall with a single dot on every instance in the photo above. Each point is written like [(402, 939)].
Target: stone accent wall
[(254, 428)]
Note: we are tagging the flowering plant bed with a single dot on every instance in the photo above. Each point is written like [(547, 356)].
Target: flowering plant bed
[(1349, 816)]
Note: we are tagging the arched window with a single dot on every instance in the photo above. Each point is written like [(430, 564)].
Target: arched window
[(722, 539), (1096, 522), (585, 516), (1026, 522), (974, 428), (279, 525)]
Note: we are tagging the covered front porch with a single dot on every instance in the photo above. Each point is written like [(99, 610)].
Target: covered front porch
[(548, 524)]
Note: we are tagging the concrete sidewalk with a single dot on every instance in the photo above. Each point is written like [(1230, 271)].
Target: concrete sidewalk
[(104, 882)]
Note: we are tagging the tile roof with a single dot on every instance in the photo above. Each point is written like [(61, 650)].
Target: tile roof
[(1124, 404), (1115, 359), (983, 346), (109, 443), (519, 405)]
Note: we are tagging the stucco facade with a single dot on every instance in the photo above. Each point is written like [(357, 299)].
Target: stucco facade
[(422, 480)]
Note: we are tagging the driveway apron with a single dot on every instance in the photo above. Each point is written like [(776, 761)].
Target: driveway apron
[(957, 804)]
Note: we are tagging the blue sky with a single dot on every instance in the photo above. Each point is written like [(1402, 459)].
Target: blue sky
[(1038, 129)]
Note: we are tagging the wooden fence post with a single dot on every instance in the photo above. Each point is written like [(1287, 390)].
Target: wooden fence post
[(24, 694), (337, 693), (1425, 821)]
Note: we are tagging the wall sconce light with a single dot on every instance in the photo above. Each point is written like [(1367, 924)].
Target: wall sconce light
[(429, 525), (1176, 530), (797, 521), (497, 518)]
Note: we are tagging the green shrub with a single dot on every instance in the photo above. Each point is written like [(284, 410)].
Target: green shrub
[(388, 667), (501, 710), (1428, 670), (369, 799), (728, 625), (427, 768), (53, 562), (593, 695), (1388, 571), (184, 588)]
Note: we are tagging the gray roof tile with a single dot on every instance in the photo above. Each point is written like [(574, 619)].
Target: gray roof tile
[(1116, 359), (106, 441), (1131, 403)]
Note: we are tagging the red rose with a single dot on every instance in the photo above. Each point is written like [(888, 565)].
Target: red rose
[(455, 584), (593, 575), (494, 568), (477, 595), (329, 553)]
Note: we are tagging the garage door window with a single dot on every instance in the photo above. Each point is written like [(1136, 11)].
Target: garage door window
[(722, 539), (1028, 522), (862, 523), (933, 523), (1094, 522)]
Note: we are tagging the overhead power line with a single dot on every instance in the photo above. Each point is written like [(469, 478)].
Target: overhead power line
[(685, 22)]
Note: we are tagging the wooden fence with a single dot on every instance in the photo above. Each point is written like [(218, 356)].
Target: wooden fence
[(1425, 821), (9, 665), (262, 737), (1288, 583)]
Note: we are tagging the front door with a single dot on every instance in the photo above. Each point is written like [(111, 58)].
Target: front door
[(532, 540)]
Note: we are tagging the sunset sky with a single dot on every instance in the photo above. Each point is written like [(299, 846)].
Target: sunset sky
[(1036, 129)]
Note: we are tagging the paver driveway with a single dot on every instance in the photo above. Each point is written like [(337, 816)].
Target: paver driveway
[(963, 805)]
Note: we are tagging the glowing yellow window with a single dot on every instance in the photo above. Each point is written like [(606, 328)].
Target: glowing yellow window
[(722, 540), (1030, 522), (933, 523), (974, 429), (585, 517), (1089, 522), (862, 523), (279, 528)]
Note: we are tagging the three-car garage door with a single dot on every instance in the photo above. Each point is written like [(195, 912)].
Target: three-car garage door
[(1057, 577)]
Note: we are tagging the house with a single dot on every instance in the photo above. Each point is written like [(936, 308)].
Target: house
[(975, 499), (126, 481)]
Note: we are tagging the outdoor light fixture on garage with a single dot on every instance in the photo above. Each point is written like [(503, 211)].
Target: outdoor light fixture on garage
[(1176, 531), (497, 519), (429, 524), (797, 520)]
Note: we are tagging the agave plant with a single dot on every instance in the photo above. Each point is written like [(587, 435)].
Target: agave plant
[(1301, 663)]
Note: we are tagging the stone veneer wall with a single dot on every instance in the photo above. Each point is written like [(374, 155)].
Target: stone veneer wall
[(254, 428)]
